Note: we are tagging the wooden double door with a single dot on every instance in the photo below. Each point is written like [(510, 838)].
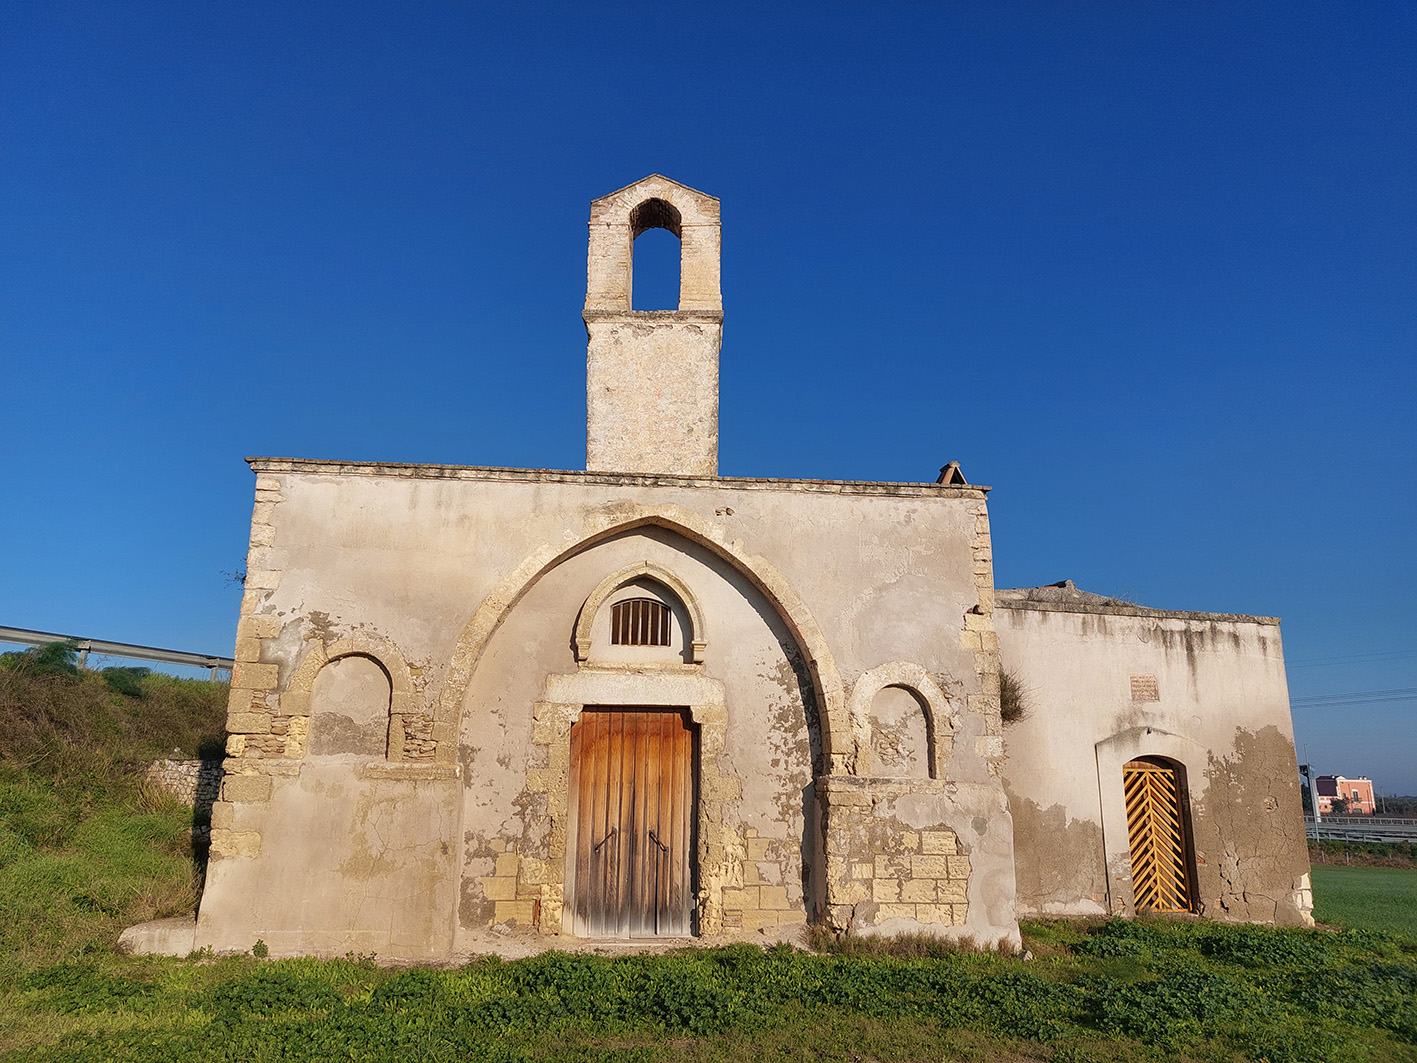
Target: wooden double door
[(630, 824)]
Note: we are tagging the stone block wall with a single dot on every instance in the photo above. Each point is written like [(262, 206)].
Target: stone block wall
[(760, 902), (518, 889), (980, 638), (194, 782), (880, 868)]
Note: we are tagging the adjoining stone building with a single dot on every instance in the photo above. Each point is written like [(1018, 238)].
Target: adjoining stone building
[(646, 700), (1154, 766)]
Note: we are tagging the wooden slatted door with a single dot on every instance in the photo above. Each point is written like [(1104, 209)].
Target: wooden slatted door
[(1156, 829), (630, 823)]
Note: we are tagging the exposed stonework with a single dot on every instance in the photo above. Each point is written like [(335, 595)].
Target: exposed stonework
[(979, 637), (193, 782), (879, 870)]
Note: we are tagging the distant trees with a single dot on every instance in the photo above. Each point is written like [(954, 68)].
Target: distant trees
[(62, 659)]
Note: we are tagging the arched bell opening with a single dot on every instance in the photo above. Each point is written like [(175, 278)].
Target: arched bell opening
[(656, 256)]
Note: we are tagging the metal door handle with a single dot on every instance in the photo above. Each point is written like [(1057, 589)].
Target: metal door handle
[(613, 831), (662, 847)]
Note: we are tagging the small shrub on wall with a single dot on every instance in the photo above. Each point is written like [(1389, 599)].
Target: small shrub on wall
[(1013, 699)]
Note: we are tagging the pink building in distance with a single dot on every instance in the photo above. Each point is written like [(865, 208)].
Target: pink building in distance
[(1359, 792)]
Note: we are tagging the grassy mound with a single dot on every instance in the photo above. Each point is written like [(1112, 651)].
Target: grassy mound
[(86, 847)]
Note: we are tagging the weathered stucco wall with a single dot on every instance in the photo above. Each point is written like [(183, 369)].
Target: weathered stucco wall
[(1106, 684), (652, 391), (465, 585)]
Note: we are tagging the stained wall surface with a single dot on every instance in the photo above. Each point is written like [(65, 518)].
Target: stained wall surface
[(652, 392), (1107, 682), (455, 597)]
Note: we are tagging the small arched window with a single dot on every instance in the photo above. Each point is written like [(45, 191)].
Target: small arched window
[(901, 741), (639, 622)]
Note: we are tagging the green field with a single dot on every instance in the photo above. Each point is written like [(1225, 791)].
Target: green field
[(1372, 898)]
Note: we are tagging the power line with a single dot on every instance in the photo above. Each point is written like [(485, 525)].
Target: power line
[(1356, 697), (1354, 658)]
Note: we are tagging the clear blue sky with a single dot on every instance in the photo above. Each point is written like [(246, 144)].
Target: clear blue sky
[(1149, 270)]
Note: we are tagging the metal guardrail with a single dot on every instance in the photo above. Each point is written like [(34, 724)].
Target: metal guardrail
[(23, 637), (1362, 828)]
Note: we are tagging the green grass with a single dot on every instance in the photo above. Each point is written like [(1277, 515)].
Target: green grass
[(70, 878), (1114, 991), (1373, 898)]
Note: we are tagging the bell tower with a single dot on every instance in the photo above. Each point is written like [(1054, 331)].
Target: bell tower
[(652, 375)]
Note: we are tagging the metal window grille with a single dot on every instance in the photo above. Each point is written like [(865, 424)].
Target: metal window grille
[(639, 622)]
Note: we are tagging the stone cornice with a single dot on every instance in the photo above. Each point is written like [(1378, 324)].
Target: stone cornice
[(409, 471), (1000, 602), (654, 317)]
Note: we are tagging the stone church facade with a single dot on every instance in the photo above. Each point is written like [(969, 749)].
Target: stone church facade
[(645, 700)]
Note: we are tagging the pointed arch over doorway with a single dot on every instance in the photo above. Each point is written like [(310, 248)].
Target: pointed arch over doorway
[(838, 747)]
